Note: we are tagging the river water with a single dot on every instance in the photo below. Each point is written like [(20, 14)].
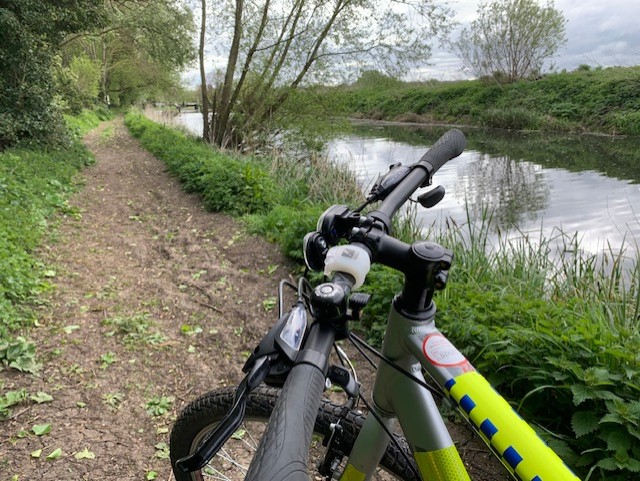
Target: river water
[(530, 182)]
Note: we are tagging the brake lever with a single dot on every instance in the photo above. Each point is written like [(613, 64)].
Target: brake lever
[(213, 441)]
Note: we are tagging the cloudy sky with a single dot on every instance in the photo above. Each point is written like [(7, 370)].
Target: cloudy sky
[(599, 32)]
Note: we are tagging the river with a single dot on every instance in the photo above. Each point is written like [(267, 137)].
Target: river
[(530, 182)]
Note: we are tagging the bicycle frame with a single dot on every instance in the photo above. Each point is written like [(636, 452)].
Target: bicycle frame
[(415, 345)]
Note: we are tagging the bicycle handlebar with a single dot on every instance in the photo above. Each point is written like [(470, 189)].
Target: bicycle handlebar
[(447, 147)]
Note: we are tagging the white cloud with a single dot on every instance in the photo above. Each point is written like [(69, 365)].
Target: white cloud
[(598, 34)]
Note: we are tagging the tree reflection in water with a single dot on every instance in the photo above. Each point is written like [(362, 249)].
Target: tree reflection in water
[(516, 191)]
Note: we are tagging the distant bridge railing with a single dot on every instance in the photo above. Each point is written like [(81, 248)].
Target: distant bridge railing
[(180, 106)]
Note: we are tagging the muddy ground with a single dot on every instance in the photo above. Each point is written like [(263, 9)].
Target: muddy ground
[(155, 302)]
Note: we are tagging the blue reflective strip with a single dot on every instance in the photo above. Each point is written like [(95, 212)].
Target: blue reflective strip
[(512, 457), (488, 428), (467, 404), (537, 478), (449, 384)]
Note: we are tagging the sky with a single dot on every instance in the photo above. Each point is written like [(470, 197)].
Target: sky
[(599, 33)]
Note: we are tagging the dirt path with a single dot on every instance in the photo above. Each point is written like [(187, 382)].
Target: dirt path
[(155, 298), (157, 301)]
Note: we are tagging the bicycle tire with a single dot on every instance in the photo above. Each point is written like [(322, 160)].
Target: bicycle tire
[(203, 414)]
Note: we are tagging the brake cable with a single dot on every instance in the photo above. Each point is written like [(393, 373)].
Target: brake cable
[(361, 345)]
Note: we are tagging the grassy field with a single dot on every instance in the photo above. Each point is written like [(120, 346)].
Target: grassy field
[(596, 100), (558, 334)]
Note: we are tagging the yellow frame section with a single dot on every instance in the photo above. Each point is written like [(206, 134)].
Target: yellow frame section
[(518, 446), (441, 465)]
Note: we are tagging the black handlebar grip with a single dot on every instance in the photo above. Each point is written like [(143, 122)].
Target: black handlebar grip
[(447, 147)]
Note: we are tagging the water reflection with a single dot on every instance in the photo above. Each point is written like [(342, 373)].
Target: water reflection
[(516, 191), (529, 182)]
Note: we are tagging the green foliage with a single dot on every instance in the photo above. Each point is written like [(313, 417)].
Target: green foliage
[(79, 83), (137, 57), (286, 226), (559, 335), (627, 123), (86, 120), (34, 185), (28, 106), (134, 328), (19, 354), (374, 80), (10, 399), (158, 406), (605, 100), (237, 186)]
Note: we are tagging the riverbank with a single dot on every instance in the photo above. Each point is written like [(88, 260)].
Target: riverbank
[(586, 100)]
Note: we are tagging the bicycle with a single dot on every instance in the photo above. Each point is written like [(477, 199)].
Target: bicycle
[(287, 372)]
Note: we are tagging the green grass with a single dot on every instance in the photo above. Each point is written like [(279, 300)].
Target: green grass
[(599, 100), (34, 186)]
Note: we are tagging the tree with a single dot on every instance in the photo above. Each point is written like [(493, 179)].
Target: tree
[(140, 50), (31, 31), (273, 47), (511, 39)]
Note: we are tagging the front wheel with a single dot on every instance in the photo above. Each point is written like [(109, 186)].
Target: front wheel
[(232, 461)]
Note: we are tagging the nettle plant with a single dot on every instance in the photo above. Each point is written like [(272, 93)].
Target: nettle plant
[(606, 422)]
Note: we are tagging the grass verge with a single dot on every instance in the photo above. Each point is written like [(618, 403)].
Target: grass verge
[(596, 100), (34, 186)]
